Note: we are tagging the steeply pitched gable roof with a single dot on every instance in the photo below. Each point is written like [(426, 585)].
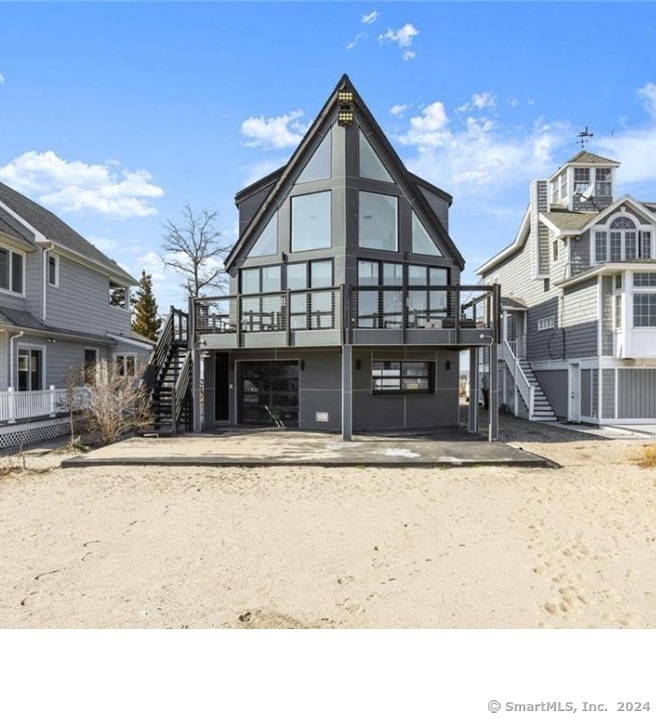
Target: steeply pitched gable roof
[(56, 230), (280, 176)]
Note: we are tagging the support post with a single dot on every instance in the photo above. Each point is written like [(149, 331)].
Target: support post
[(53, 406), (192, 345), (494, 394), (11, 405), (347, 392), (473, 390)]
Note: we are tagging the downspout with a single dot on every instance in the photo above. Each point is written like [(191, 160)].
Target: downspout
[(11, 357), (45, 278)]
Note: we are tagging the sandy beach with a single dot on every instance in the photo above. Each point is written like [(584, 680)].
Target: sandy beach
[(318, 547)]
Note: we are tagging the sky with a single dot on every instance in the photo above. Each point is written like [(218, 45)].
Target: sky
[(114, 115)]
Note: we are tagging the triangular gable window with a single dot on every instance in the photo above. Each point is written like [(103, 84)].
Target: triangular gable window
[(318, 167), (268, 241), (422, 242), (370, 165)]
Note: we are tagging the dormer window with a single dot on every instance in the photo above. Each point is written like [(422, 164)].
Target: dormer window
[(581, 179), (563, 186), (622, 243), (602, 182)]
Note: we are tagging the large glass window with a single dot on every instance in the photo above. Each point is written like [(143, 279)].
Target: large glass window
[(267, 242), (422, 242), (644, 310), (318, 166), (302, 275), (623, 242), (311, 222), (378, 221), (645, 245), (402, 377), (311, 310), (11, 271), (644, 279), (260, 279), (601, 246), (370, 165)]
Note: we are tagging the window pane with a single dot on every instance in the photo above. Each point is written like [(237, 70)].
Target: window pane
[(368, 273), (250, 281), (268, 241), (298, 310), (622, 223), (417, 275), (618, 311), (377, 221), (272, 313), (297, 276), (630, 245), (311, 221), (421, 240), (644, 310), (392, 274), (4, 269), (368, 314), (318, 166), (438, 277), (644, 279), (321, 316), (321, 274), (615, 246), (392, 307), (415, 368), (645, 245), (370, 164), (601, 251), (271, 279), (17, 273), (52, 269)]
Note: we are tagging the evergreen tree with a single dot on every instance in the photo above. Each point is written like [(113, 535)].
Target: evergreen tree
[(145, 321)]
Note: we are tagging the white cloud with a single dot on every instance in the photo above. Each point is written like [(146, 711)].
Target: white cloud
[(399, 110), (274, 132), (2, 79), (470, 154), (104, 244), (78, 187), (648, 95), (403, 37), (479, 101), (355, 40), (370, 18), (259, 170)]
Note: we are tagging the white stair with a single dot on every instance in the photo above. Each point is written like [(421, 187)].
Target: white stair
[(542, 410)]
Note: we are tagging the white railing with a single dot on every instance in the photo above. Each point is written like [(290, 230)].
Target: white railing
[(17, 405), (522, 384)]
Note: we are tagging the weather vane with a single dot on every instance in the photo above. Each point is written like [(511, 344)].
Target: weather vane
[(583, 137)]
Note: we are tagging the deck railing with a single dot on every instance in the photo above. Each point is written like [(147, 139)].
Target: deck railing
[(352, 307), (21, 405)]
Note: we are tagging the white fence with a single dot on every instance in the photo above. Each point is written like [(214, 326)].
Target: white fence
[(20, 405)]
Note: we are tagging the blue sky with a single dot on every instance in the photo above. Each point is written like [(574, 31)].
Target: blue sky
[(113, 115)]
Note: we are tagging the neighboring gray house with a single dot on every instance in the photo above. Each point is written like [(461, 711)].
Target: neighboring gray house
[(578, 291), (55, 313), (345, 310)]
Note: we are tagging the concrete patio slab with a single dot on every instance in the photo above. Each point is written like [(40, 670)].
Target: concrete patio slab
[(297, 448)]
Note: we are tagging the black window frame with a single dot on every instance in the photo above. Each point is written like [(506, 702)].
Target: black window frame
[(15, 279), (403, 378)]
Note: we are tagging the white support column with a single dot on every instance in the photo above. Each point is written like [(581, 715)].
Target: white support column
[(494, 394), (473, 391), (53, 407), (347, 392)]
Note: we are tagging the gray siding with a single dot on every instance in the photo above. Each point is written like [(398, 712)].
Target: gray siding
[(579, 319), (81, 302), (607, 316), (548, 343), (595, 393), (34, 283), (439, 205), (637, 394), (579, 254), (608, 394), (554, 385)]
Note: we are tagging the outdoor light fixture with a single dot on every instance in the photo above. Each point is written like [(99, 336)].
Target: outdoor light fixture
[(345, 116)]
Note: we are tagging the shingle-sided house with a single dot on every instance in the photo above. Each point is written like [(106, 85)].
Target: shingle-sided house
[(55, 313), (578, 291), (345, 310)]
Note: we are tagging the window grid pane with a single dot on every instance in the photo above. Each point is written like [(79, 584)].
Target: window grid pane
[(311, 222), (378, 221), (644, 310)]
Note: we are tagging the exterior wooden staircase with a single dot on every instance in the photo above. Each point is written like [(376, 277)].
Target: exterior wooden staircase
[(167, 378), (528, 389)]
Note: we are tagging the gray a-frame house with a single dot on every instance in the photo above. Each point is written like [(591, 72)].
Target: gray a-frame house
[(345, 310)]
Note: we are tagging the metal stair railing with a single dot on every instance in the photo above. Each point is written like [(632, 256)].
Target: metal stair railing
[(180, 392)]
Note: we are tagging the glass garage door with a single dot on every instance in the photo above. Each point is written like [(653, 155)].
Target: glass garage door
[(269, 393)]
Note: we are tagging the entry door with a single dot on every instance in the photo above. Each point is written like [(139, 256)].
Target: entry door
[(222, 380), (574, 392), (269, 392)]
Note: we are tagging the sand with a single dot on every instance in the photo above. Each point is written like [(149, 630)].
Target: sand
[(335, 548)]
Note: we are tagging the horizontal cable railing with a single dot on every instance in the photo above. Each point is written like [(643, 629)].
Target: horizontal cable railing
[(363, 307), (297, 309)]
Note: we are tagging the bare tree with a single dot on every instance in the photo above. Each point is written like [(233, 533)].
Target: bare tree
[(194, 249)]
